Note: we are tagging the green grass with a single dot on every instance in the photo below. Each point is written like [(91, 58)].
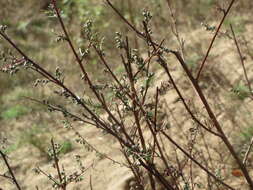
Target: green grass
[(14, 112), (247, 134), (16, 94), (244, 140), (66, 147), (192, 62), (11, 148), (241, 91), (238, 23), (38, 137)]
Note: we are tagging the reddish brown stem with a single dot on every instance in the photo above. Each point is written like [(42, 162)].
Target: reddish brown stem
[(214, 119), (56, 162), (241, 59), (196, 162), (213, 39), (13, 178)]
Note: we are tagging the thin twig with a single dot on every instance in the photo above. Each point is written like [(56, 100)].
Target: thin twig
[(163, 64), (56, 108), (60, 84), (124, 19), (207, 107), (247, 152), (79, 61), (94, 149), (91, 187), (48, 176), (196, 162), (214, 119), (13, 178), (56, 162), (175, 29), (241, 59), (213, 39)]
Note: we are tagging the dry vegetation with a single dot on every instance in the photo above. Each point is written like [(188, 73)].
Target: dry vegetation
[(123, 94)]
